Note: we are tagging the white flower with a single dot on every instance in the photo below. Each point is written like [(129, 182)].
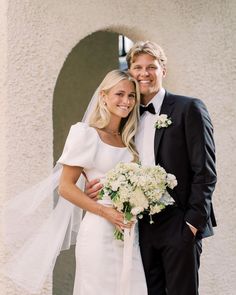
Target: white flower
[(134, 190), (115, 185), (156, 209), (166, 199), (136, 210), (163, 121), (171, 180), (138, 199)]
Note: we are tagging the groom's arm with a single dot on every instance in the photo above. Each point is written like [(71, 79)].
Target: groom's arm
[(201, 153)]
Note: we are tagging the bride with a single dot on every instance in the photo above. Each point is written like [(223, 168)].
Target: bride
[(92, 149)]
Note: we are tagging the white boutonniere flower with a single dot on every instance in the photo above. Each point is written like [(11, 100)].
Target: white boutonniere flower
[(163, 121)]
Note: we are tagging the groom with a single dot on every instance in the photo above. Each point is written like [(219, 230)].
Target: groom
[(171, 246)]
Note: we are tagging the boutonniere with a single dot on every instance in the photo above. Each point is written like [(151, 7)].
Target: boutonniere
[(163, 121)]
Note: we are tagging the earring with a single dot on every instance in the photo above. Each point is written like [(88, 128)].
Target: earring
[(104, 103)]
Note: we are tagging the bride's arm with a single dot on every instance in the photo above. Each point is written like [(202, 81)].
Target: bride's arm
[(68, 190)]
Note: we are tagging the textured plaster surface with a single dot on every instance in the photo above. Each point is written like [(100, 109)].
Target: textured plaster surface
[(199, 40), (3, 96)]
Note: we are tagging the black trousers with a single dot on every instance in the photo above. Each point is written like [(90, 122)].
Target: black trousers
[(170, 254)]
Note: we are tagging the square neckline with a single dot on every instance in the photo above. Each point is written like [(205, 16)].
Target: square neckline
[(107, 144)]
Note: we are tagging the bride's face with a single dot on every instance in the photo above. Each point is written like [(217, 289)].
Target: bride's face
[(121, 99)]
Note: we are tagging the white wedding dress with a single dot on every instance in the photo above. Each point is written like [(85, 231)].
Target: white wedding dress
[(99, 257)]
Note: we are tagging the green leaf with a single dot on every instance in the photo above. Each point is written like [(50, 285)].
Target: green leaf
[(128, 216), (118, 235), (100, 195), (114, 196)]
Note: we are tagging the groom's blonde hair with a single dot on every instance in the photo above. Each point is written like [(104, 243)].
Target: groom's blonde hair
[(148, 47), (100, 117)]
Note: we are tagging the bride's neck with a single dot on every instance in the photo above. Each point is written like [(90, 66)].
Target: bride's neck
[(113, 126)]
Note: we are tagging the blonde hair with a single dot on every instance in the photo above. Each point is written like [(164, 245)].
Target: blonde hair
[(100, 116), (148, 47)]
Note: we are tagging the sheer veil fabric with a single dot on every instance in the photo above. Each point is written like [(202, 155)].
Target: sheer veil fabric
[(40, 239)]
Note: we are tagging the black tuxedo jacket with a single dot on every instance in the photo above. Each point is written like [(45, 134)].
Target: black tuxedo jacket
[(186, 149)]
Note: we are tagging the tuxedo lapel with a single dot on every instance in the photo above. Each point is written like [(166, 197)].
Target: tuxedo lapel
[(166, 108)]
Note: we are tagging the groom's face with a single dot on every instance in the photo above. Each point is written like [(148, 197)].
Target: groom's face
[(149, 74)]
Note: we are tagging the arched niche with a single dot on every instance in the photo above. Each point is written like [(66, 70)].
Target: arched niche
[(83, 70)]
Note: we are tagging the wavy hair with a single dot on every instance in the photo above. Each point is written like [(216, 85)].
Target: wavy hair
[(100, 116), (148, 47)]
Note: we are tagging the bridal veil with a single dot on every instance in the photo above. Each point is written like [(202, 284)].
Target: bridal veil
[(40, 239)]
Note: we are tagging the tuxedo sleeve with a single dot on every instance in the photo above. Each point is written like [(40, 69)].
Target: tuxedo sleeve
[(201, 153)]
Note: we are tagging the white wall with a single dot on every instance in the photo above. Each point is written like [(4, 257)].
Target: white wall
[(199, 40), (3, 111)]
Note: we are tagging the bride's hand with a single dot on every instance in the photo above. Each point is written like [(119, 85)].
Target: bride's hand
[(115, 218)]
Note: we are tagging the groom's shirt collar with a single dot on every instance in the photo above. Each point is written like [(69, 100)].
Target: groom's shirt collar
[(157, 100), (144, 138)]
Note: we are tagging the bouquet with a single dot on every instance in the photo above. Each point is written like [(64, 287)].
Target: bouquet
[(135, 190)]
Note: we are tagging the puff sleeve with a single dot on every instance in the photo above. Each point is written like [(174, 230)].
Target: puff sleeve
[(80, 147)]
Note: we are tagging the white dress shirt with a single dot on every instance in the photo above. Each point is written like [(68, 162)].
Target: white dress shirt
[(144, 138)]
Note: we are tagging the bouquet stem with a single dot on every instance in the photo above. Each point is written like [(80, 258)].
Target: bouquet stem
[(118, 235)]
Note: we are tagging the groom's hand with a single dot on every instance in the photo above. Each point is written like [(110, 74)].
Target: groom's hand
[(92, 188), (193, 229)]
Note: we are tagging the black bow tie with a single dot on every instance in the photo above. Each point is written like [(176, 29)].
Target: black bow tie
[(150, 108)]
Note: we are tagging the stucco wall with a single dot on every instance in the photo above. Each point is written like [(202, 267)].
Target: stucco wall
[(199, 40), (3, 96)]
